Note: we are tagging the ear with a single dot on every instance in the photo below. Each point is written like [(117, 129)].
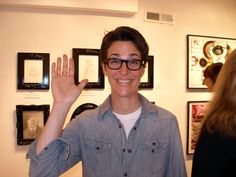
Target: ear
[(104, 69), (143, 71)]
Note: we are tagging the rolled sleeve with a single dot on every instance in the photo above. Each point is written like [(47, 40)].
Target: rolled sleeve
[(49, 162)]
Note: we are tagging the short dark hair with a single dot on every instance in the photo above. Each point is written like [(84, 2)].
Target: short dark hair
[(212, 71), (124, 33)]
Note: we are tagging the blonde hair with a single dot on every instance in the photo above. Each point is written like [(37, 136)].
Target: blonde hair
[(221, 113)]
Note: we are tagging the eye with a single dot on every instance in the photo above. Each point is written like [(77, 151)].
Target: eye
[(114, 61), (134, 62)]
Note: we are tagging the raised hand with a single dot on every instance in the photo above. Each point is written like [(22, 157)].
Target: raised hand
[(64, 89)]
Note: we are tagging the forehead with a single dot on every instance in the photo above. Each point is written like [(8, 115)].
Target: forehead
[(123, 48)]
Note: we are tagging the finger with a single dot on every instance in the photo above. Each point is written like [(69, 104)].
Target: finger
[(53, 71), (58, 67), (82, 84), (71, 67), (65, 65)]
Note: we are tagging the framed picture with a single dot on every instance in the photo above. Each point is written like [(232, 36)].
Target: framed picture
[(33, 71), (82, 108), (87, 66), (30, 122), (147, 79), (203, 51), (196, 112)]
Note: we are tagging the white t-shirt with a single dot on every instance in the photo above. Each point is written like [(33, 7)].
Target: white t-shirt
[(128, 120)]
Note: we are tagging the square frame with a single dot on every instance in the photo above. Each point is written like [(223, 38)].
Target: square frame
[(33, 70), (202, 51), (87, 66), (196, 112), (148, 83), (37, 114)]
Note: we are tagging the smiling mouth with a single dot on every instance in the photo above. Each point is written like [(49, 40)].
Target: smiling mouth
[(124, 81)]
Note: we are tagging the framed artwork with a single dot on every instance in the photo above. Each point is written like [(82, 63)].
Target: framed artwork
[(147, 79), (203, 51), (87, 66), (82, 108), (33, 71), (30, 122), (196, 112)]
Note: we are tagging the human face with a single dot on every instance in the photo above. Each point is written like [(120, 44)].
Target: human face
[(208, 82), (123, 82), (32, 122)]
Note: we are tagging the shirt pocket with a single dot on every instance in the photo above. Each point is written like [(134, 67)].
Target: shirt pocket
[(98, 156), (152, 156)]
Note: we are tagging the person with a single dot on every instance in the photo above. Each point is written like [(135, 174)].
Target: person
[(210, 75), (215, 152), (124, 136), (32, 130)]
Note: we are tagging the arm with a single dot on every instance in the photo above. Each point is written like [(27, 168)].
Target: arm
[(65, 93), (176, 164)]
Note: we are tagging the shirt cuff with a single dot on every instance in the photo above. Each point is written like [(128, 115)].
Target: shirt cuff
[(57, 147)]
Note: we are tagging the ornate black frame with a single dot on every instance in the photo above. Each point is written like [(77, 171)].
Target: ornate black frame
[(19, 116), (92, 52), (22, 56), (149, 68)]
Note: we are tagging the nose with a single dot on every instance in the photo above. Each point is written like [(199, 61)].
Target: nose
[(124, 69)]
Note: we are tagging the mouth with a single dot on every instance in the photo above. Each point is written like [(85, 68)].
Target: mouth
[(125, 82)]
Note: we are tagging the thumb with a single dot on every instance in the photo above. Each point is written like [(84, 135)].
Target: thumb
[(83, 83)]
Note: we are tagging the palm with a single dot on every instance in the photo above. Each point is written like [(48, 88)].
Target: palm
[(63, 86)]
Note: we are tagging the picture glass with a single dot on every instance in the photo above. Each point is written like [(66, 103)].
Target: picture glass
[(33, 72), (33, 124), (204, 51), (90, 68), (196, 112)]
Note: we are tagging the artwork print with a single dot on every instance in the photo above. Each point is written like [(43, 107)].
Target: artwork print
[(204, 51), (196, 112)]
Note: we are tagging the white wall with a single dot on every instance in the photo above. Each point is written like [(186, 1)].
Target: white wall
[(58, 31)]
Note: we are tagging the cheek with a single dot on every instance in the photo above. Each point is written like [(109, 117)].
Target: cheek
[(141, 73)]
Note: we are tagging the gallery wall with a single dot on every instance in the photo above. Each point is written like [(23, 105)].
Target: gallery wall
[(57, 31)]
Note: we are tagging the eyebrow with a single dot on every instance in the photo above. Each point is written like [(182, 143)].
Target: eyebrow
[(118, 55)]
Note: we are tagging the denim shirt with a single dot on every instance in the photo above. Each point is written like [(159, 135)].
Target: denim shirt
[(97, 138)]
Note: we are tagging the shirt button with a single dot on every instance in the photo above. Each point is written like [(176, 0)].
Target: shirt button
[(135, 128), (123, 150), (120, 126), (129, 151), (125, 174)]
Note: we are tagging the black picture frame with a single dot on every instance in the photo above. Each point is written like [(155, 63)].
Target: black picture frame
[(88, 66), (147, 83), (30, 116), (195, 114), (203, 51), (33, 70), (82, 108)]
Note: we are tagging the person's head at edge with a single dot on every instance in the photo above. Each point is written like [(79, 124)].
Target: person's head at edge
[(122, 44), (210, 75), (222, 109)]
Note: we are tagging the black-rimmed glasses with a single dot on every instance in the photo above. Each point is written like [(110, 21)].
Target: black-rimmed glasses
[(132, 64)]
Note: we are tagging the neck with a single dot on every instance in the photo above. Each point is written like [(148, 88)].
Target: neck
[(125, 105)]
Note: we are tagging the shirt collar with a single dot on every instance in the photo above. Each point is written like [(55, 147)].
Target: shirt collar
[(147, 107)]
